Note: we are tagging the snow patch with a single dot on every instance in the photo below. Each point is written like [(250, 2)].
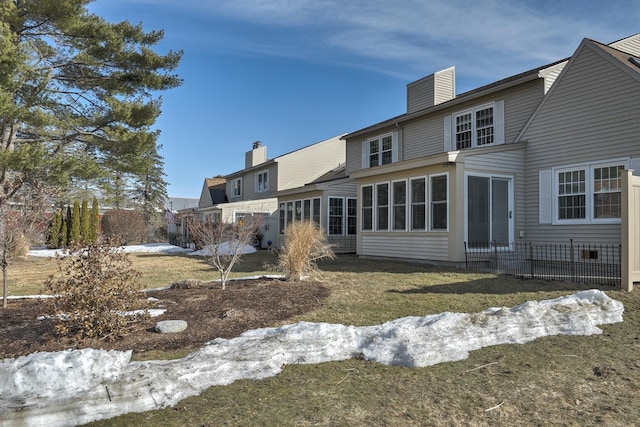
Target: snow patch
[(74, 387)]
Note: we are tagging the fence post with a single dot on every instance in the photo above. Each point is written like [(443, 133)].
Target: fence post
[(466, 257), (495, 255)]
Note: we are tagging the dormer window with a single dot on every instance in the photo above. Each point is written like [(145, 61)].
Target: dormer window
[(475, 127), (262, 181), (237, 187), (380, 150)]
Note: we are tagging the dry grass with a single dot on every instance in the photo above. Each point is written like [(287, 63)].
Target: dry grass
[(564, 380), (305, 245)]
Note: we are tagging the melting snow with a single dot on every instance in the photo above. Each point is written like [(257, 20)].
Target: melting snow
[(78, 386)]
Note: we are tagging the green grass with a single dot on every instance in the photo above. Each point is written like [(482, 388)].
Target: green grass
[(562, 380)]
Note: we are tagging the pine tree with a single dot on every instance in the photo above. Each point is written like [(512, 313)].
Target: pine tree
[(84, 221), (67, 226), (64, 233), (78, 95), (75, 224), (56, 228), (94, 226)]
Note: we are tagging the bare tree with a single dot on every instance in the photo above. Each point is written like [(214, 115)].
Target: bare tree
[(19, 222), (223, 243)]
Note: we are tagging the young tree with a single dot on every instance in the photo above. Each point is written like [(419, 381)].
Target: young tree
[(84, 221), (68, 226), (76, 93), (75, 224), (56, 229), (223, 244), (94, 226)]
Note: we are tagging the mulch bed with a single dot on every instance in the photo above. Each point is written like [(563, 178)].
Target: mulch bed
[(209, 311)]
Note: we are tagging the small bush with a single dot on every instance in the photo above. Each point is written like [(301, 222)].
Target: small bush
[(93, 289), (128, 225), (304, 244)]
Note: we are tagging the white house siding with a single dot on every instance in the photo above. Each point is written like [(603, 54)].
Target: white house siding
[(591, 114), (629, 44), (401, 245), (423, 137), (445, 85)]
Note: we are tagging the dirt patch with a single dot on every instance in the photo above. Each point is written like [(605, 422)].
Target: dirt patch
[(209, 311)]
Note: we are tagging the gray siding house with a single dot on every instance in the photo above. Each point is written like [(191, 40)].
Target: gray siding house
[(253, 190), (330, 201), (487, 165)]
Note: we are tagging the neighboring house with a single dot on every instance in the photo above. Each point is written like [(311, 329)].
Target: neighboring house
[(173, 206), (465, 168), (330, 201), (252, 190), (214, 192)]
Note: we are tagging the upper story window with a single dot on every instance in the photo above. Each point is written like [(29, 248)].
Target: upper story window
[(262, 181), (380, 150), (588, 192), (237, 187), (475, 127)]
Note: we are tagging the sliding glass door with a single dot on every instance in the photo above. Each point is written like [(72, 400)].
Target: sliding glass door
[(489, 211)]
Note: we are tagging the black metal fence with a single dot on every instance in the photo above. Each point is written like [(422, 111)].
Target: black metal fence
[(583, 263)]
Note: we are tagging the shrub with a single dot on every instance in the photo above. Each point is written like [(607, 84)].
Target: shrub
[(304, 244), (126, 224), (93, 290)]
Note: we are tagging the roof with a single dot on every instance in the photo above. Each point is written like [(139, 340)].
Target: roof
[(335, 174)]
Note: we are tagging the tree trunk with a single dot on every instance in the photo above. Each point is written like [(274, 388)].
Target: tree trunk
[(4, 286)]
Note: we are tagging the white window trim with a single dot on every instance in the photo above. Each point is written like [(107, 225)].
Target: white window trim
[(372, 207), (589, 191), (346, 216), (366, 146), (511, 190), (265, 181), (392, 206), (376, 206), (236, 184), (498, 126), (429, 199), (426, 204), (343, 219)]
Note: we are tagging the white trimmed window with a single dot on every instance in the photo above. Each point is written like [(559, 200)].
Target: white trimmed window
[(236, 186), (382, 206), (439, 202), (315, 210), (336, 216), (418, 204), (380, 150), (399, 197), (367, 207), (475, 127), (352, 216), (262, 181), (586, 193)]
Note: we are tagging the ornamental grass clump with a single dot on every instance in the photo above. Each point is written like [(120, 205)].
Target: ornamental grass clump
[(305, 244), (95, 292)]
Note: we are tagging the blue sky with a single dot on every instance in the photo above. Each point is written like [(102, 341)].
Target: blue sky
[(291, 73)]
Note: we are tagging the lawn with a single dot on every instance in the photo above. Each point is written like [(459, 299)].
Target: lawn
[(552, 381)]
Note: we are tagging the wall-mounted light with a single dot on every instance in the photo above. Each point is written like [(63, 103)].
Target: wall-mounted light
[(447, 164)]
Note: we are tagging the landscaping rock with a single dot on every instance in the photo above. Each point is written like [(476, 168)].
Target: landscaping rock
[(171, 326)]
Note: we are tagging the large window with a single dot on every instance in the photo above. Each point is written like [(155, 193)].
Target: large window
[(380, 150), (237, 187), (439, 202), (315, 210), (399, 205), (367, 207), (382, 206), (588, 192), (262, 181), (418, 204)]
